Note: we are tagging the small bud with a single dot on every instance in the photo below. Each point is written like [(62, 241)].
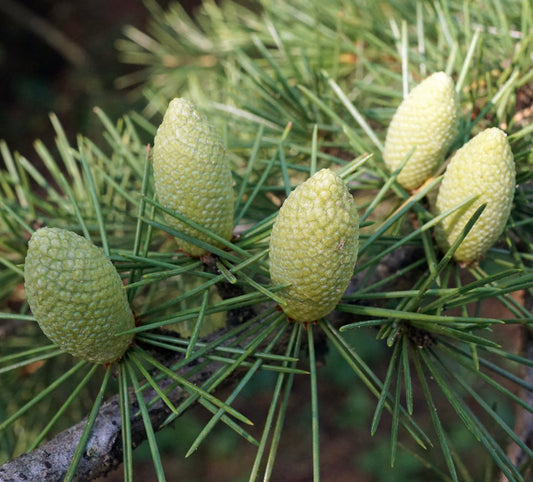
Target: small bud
[(193, 175), (425, 121), (483, 166), (313, 246), (77, 296)]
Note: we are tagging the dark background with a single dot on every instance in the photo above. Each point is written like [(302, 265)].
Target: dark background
[(37, 78)]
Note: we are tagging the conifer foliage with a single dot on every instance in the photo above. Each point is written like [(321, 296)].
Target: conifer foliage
[(328, 195)]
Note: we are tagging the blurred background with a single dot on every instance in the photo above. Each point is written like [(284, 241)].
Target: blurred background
[(59, 56)]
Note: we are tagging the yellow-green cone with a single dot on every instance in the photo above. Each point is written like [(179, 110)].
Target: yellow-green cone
[(313, 246), (426, 120), (77, 296), (483, 166), (193, 175)]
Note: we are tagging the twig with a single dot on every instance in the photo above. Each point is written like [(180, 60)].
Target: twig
[(104, 452)]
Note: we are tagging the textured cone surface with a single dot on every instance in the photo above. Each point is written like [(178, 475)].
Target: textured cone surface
[(313, 246), (77, 296), (192, 174), (426, 120), (483, 166)]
